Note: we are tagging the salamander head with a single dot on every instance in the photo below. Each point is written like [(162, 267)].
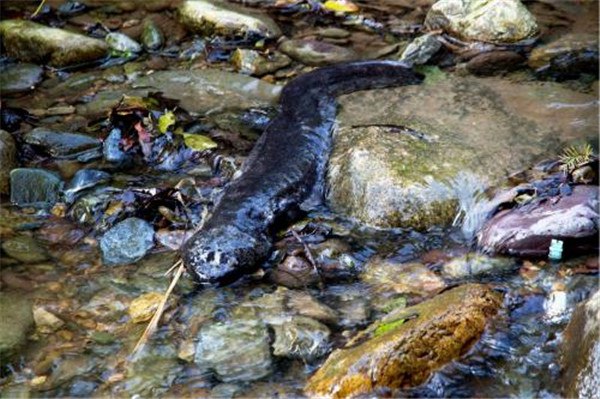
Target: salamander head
[(222, 254)]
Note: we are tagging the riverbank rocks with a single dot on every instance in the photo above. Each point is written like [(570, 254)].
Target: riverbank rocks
[(122, 43), (236, 350), (219, 90), (316, 53), (215, 17), (16, 317), (393, 165), (32, 42), (63, 144), (34, 187), (8, 160), (413, 279), (494, 21), (19, 78), (581, 351), (528, 230), (566, 57), (407, 345), (127, 242)]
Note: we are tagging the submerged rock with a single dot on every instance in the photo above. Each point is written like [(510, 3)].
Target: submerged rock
[(529, 230), (407, 345), (8, 160), (127, 242), (420, 50), (46, 322), (29, 41), (64, 145), (581, 351), (34, 187), (476, 265), (235, 350), (251, 62), (20, 78), (567, 57), (316, 53), (494, 21), (420, 155), (401, 278), (25, 249), (16, 316), (295, 272), (215, 17), (301, 338), (143, 307), (219, 90)]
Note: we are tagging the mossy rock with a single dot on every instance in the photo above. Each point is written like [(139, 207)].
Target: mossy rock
[(29, 41), (407, 345), (16, 318)]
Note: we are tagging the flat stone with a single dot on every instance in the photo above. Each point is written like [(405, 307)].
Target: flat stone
[(494, 62), (16, 318), (494, 21), (219, 90), (316, 53), (477, 265), (20, 78), (127, 242), (301, 338), (8, 160), (25, 249), (215, 17), (420, 50), (407, 345), (32, 42), (34, 187), (62, 144)]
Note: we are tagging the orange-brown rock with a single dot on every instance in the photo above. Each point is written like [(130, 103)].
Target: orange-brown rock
[(405, 347)]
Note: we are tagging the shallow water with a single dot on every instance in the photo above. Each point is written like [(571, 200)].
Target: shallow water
[(88, 353)]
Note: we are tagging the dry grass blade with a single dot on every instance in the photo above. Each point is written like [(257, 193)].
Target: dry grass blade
[(153, 324)]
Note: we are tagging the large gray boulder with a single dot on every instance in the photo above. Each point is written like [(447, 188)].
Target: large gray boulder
[(494, 21), (29, 41), (417, 156)]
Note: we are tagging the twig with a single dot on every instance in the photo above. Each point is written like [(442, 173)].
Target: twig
[(151, 328), (306, 251)]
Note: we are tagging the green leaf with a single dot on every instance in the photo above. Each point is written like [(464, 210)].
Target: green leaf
[(198, 142), (165, 121)]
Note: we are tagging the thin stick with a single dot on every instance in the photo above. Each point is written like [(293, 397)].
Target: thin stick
[(37, 10), (306, 251), (151, 328)]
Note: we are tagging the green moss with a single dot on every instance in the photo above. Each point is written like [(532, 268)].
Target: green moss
[(383, 328)]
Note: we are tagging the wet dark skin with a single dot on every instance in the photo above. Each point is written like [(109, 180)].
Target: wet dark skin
[(285, 169)]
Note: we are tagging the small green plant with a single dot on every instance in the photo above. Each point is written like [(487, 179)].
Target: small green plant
[(574, 157)]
